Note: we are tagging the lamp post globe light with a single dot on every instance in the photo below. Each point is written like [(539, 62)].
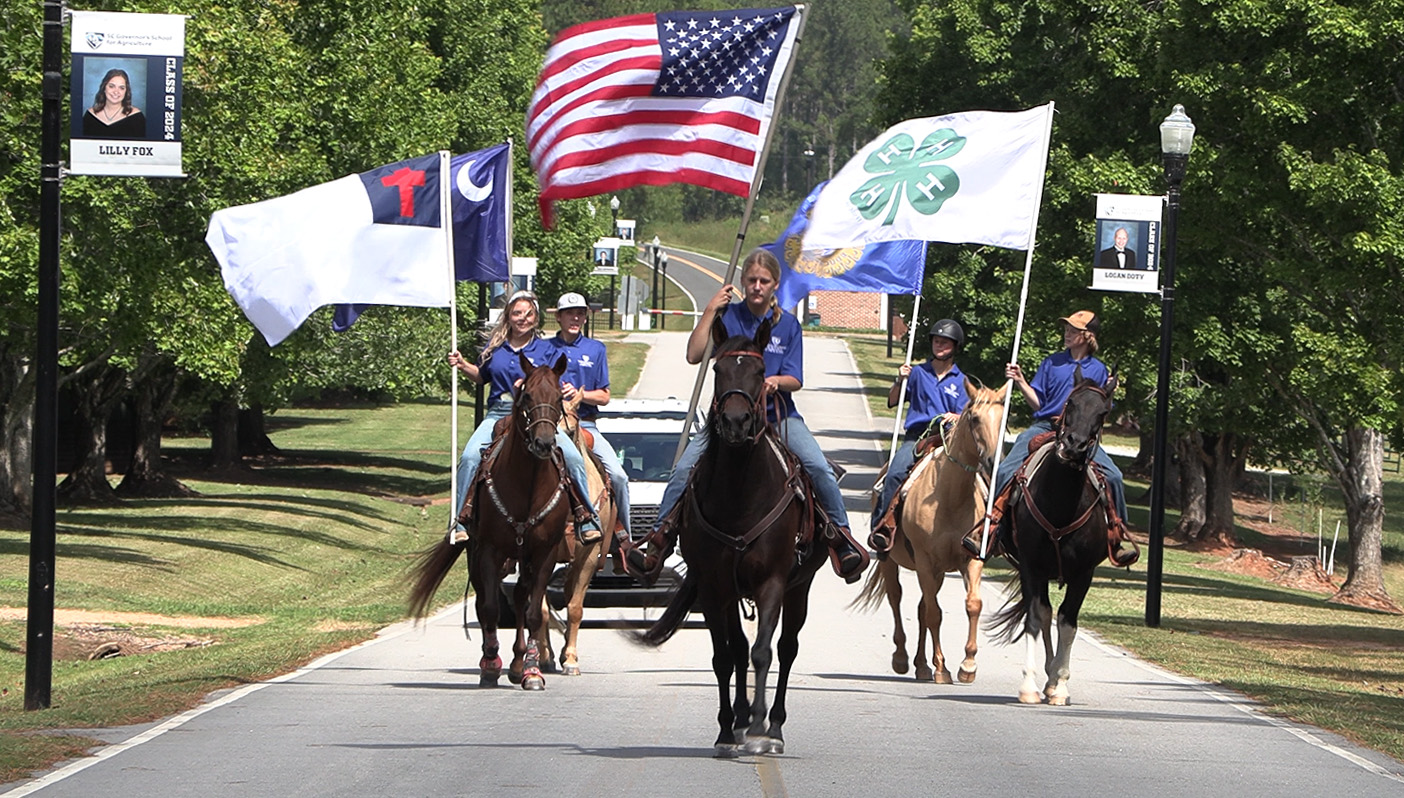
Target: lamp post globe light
[(614, 208), (1176, 141)]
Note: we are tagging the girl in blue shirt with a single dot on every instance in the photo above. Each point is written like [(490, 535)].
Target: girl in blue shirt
[(499, 367), (784, 374)]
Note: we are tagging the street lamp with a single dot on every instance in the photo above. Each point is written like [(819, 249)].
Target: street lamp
[(654, 296), (614, 213), (663, 299), (809, 167), (1176, 140)]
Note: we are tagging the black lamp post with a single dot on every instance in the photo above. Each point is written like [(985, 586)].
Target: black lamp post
[(614, 216), (1176, 140), (653, 297), (663, 286)]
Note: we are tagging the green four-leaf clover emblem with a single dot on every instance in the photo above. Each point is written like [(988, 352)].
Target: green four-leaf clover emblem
[(901, 168)]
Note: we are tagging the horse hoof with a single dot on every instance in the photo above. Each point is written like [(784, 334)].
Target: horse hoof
[(1030, 698), (924, 674), (899, 663), (488, 679), (725, 750), (764, 745), (1057, 700), (942, 677), (571, 670), (514, 677), (532, 680), (549, 666), (965, 676)]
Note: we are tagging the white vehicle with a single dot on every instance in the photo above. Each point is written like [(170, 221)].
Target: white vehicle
[(644, 433)]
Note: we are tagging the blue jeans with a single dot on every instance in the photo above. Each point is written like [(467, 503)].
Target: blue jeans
[(615, 471), (472, 456), (800, 441), (1010, 464), (897, 473)]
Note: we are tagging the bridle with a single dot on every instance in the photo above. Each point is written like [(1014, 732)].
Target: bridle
[(529, 419), (1091, 450), (756, 403)]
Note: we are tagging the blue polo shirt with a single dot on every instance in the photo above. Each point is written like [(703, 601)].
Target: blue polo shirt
[(1053, 382), (588, 368), (932, 396), (784, 355), (502, 368)]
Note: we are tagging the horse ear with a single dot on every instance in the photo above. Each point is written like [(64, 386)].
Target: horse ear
[(762, 338), (718, 330), (527, 365), (1113, 380), (1077, 374), (972, 385), (1004, 389), (561, 364)]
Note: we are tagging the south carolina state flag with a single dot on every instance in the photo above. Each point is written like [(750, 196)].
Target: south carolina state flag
[(895, 267), (969, 178), (373, 238)]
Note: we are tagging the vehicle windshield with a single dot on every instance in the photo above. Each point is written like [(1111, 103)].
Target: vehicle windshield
[(647, 456)]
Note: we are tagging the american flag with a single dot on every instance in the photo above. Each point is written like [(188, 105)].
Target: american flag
[(653, 99)]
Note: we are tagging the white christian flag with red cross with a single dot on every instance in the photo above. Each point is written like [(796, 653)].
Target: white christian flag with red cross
[(653, 99)]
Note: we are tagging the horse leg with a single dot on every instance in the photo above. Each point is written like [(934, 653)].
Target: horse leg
[(793, 616), (738, 647), (768, 602), (488, 592), (582, 569), (970, 573), (546, 658), (890, 571), (722, 667), (534, 579), (1059, 670), (931, 579), (1035, 624)]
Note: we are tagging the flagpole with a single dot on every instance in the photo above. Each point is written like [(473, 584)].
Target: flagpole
[(756, 181), (446, 216), (902, 392), (1018, 337)]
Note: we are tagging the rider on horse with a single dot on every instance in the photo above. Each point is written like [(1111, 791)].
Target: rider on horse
[(588, 374), (516, 334), (1049, 391), (784, 374), (936, 391)]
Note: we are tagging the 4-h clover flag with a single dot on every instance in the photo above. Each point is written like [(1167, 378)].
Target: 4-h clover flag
[(892, 267), (966, 178)]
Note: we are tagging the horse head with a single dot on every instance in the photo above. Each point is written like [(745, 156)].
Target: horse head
[(537, 407), (980, 420), (738, 403), (1081, 422)]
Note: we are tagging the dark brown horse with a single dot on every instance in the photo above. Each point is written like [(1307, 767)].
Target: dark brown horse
[(1057, 525), (747, 534), (522, 506)]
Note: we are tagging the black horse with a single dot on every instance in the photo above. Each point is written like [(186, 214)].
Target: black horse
[(1056, 528), (747, 533)]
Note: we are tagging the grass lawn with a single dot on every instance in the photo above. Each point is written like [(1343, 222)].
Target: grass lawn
[(1333, 666)]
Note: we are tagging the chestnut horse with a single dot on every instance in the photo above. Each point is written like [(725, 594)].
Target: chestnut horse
[(944, 499), (747, 533), (1057, 525), (523, 504)]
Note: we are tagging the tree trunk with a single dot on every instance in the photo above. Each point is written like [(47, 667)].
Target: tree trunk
[(224, 436), (145, 477), (1222, 464), (253, 433), (1145, 454), (97, 393), (16, 438), (1189, 450), (1364, 497)]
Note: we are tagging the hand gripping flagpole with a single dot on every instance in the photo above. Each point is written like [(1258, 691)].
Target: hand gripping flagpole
[(1018, 336), (902, 392), (741, 231)]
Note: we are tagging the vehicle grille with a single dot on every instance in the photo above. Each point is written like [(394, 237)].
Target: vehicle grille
[(641, 520)]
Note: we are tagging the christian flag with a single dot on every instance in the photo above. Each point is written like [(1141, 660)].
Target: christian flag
[(968, 178), (892, 267), (653, 99), (374, 238)]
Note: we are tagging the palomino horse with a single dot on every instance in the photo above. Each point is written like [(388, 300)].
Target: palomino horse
[(522, 508), (1057, 525), (945, 498), (747, 534), (584, 558)]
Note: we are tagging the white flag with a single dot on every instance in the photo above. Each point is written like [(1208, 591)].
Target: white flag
[(967, 178), (373, 238)]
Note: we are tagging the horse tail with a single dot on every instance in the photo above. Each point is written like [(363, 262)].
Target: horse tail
[(875, 589), (428, 573), (1007, 625), (679, 605)]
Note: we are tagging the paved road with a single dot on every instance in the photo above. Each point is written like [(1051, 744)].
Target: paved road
[(402, 715)]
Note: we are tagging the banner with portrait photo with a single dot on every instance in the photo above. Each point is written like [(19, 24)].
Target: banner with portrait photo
[(126, 94), (1127, 252)]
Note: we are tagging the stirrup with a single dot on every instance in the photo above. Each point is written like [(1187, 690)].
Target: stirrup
[(848, 558), (457, 535)]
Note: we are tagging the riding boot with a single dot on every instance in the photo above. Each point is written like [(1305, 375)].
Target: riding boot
[(1116, 535), (458, 530), (645, 566), (880, 541), (972, 540), (849, 559)]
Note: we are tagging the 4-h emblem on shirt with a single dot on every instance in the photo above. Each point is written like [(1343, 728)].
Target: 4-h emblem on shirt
[(901, 169), (586, 362)]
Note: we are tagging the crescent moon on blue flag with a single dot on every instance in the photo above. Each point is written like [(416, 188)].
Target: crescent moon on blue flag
[(470, 190)]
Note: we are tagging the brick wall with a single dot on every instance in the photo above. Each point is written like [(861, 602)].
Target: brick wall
[(859, 311)]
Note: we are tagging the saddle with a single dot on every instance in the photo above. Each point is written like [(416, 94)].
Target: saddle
[(467, 517)]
